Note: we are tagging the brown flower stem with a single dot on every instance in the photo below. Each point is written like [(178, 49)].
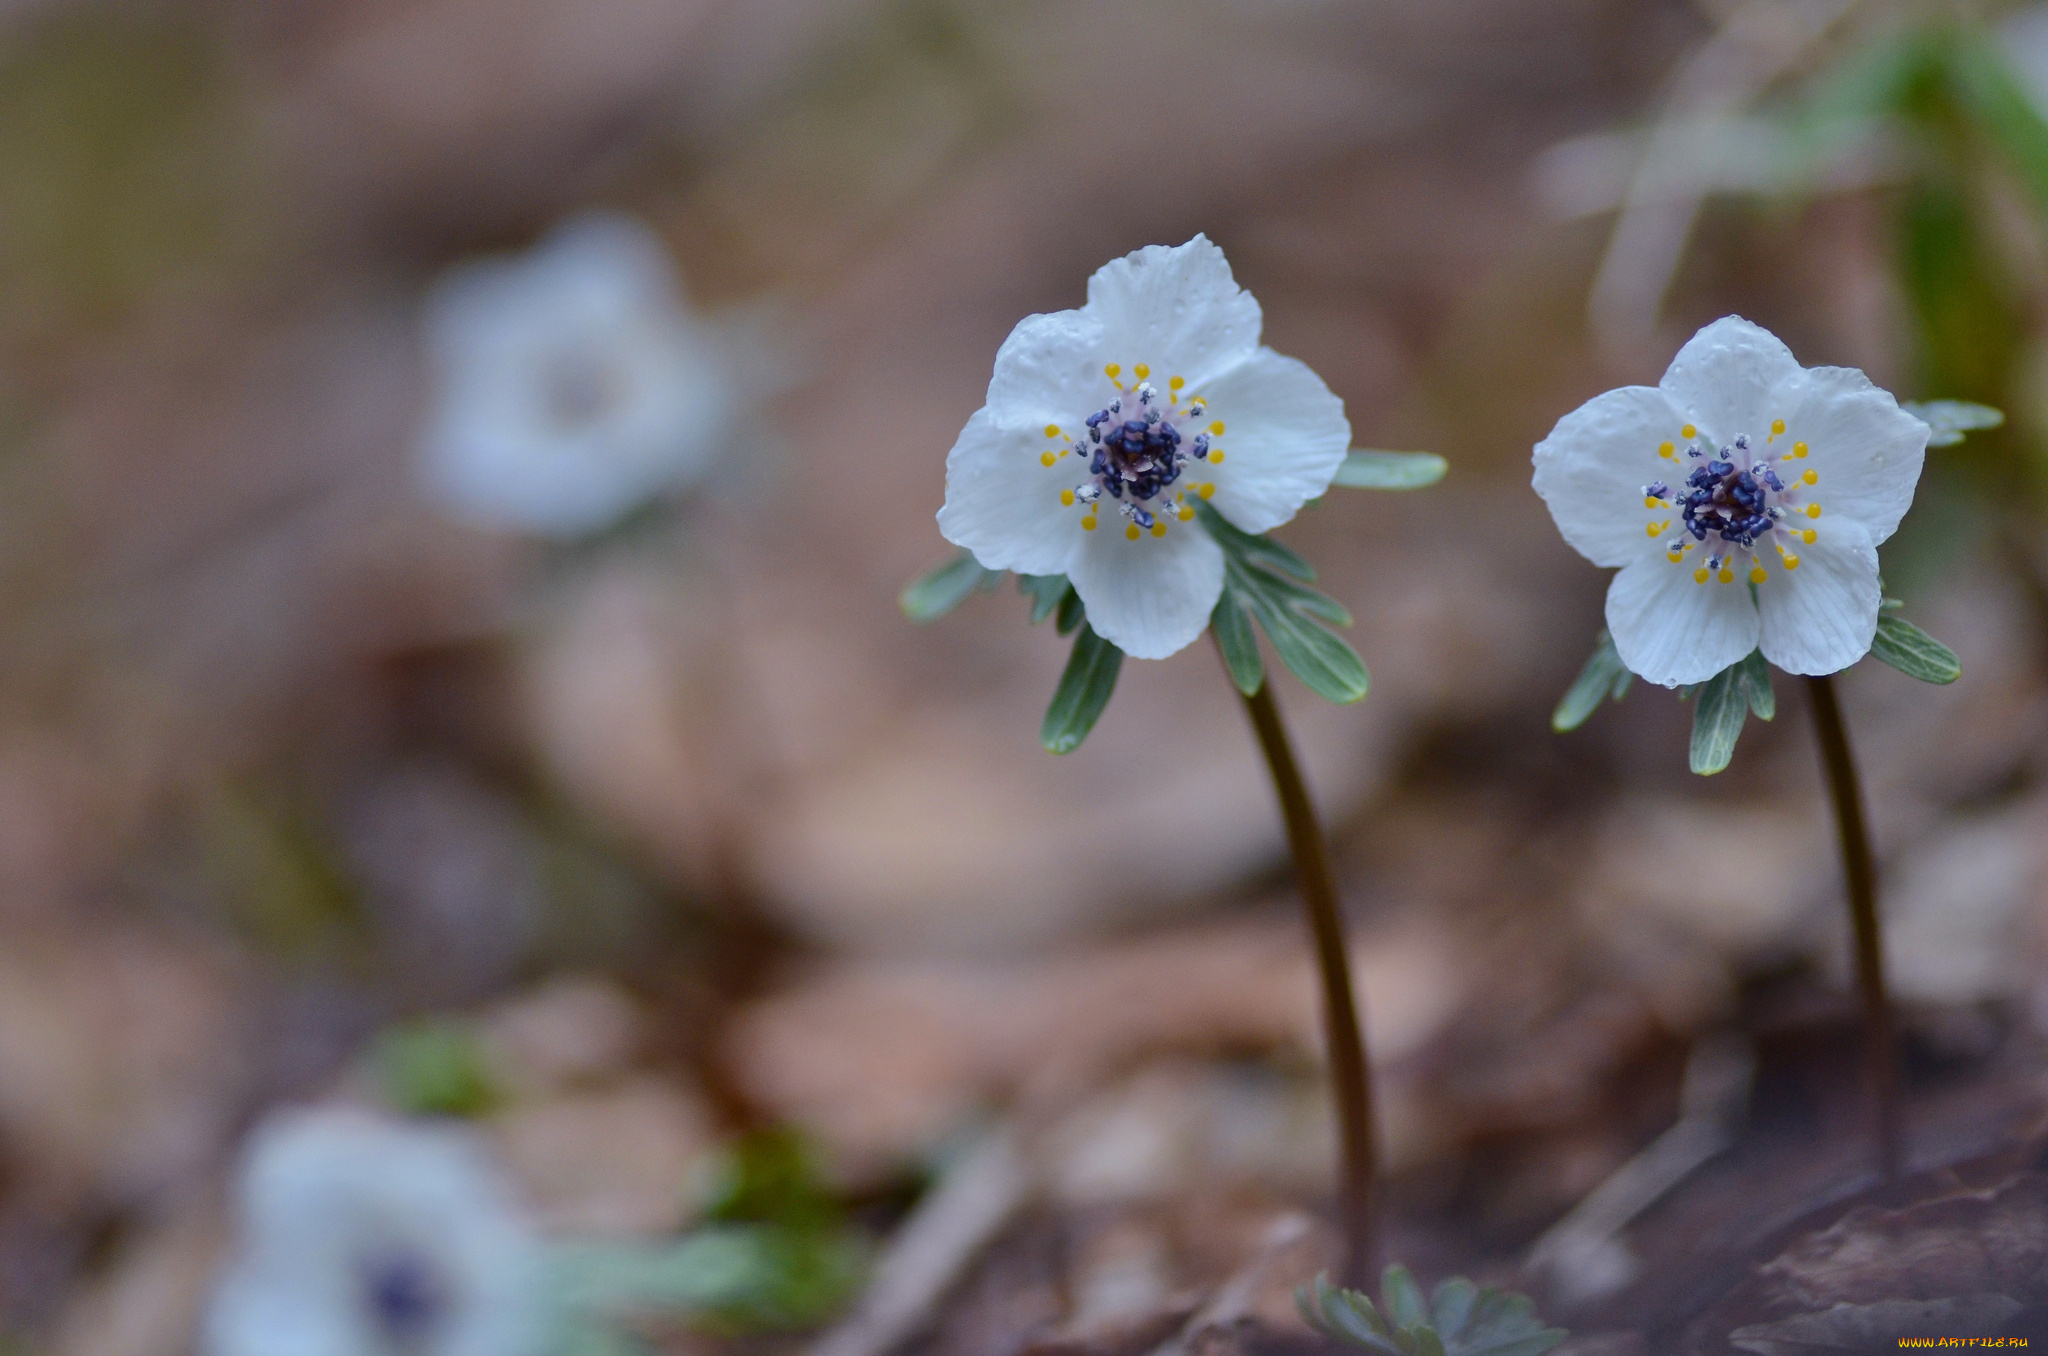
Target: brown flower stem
[(1350, 1079), (1860, 872)]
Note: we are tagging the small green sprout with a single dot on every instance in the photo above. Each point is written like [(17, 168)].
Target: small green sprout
[(1460, 1319)]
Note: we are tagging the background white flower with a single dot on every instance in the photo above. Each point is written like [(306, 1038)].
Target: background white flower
[(363, 1236), (1155, 393), (1708, 491), (572, 382)]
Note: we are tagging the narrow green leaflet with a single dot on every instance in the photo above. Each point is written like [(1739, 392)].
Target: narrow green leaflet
[(1293, 616), (1046, 592), (1913, 652), (1461, 1319), (1370, 470), (1756, 678), (1719, 708), (932, 595), (1951, 419), (1239, 643), (1078, 702), (1072, 613), (1604, 678)]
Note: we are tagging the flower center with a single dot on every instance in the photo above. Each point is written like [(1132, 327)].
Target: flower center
[(578, 388), (1734, 501), (406, 1297), (1138, 450)]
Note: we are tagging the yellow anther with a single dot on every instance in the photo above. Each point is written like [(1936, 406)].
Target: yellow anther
[(1777, 427), (1654, 528), (1727, 576), (1067, 498), (1186, 514), (1175, 383), (1142, 371), (1811, 477), (1047, 458), (1799, 449), (1216, 429), (1208, 488), (1131, 531), (1699, 576), (1052, 430), (1159, 528), (1667, 451), (1808, 536), (1688, 432), (1215, 454), (1791, 562), (1113, 371), (1675, 557), (1813, 510), (1088, 523), (1757, 575)]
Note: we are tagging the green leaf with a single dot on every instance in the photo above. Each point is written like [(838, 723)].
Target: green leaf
[(1604, 678), (935, 593), (1427, 1343), (1450, 1307), (1950, 419), (1368, 470), (1462, 1320), (1346, 1315), (1991, 90), (1239, 643), (1292, 615), (1720, 706), (1072, 613), (1402, 1298), (435, 1068), (1756, 681), (1046, 592), (1913, 652), (1253, 550), (1078, 702)]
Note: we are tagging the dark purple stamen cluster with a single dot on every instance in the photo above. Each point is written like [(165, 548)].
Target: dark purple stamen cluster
[(405, 1296), (1728, 501), (1137, 456)]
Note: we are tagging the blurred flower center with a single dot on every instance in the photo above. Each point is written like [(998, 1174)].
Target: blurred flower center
[(406, 1296), (1731, 502), (579, 388), (1136, 451)]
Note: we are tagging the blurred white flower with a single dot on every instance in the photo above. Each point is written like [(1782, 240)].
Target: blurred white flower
[(1063, 436), (572, 382), (1707, 491), (363, 1236)]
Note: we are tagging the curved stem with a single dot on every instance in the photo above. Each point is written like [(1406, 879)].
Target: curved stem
[(1860, 871), (1351, 1082)]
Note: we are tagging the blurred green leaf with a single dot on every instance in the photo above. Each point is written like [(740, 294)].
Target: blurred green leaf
[(1951, 419), (1046, 592), (1461, 1319), (1083, 693), (1604, 678), (938, 591), (1239, 643), (1720, 705), (767, 1176), (1072, 613), (434, 1067), (1402, 1298), (1371, 470), (1756, 683), (728, 1278), (1913, 652)]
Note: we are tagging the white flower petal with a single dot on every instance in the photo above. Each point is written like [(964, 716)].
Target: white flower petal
[(1284, 437), (1866, 450), (1004, 505), (1049, 371), (1821, 617), (1670, 630), (1175, 308), (1722, 380), (1149, 597), (1591, 468)]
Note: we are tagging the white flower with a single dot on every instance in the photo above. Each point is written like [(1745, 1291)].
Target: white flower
[(1708, 491), (363, 1236), (1155, 393), (573, 383)]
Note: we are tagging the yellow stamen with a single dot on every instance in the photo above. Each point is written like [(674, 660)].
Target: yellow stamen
[(1813, 510), (1175, 383), (1216, 429), (1208, 488), (1654, 528), (1727, 576), (1757, 575), (1159, 527), (1052, 430), (1067, 498), (1688, 431), (1047, 458), (1777, 427), (1652, 501), (1131, 531), (1808, 536), (1799, 449), (1667, 451), (1675, 557), (1215, 454), (1113, 371), (1088, 523), (1142, 371), (1791, 562), (1187, 515), (1811, 477), (1699, 576)]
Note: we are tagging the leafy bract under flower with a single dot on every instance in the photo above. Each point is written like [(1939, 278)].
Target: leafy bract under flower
[(1105, 426), (572, 383), (1743, 498)]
